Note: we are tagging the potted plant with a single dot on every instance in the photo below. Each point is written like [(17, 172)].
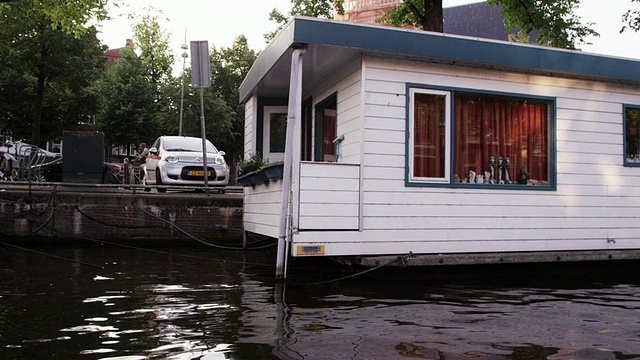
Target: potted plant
[(248, 169), (273, 171), (255, 170)]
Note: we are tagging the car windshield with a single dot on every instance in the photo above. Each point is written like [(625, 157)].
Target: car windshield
[(187, 144)]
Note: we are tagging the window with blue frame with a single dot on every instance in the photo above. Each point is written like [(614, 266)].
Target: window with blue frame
[(479, 139), (632, 136), (429, 134)]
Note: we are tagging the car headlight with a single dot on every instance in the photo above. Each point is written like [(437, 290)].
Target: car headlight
[(171, 159), (219, 160)]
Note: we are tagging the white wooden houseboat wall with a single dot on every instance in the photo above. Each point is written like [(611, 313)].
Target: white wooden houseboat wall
[(362, 206), (595, 205), (327, 194)]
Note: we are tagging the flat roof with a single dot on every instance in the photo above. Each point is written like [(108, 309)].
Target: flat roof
[(341, 37)]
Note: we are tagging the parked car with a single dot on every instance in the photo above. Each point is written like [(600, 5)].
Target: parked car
[(111, 172), (178, 161)]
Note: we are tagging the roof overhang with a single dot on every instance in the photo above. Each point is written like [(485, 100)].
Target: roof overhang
[(331, 43)]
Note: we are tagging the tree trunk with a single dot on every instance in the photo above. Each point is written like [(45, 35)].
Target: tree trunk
[(433, 18), (40, 89), (37, 110)]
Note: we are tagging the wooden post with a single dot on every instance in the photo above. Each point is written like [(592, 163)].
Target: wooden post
[(293, 114)]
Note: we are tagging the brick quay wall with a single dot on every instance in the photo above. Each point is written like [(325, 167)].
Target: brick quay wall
[(118, 215)]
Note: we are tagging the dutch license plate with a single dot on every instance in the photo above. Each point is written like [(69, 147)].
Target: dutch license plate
[(198, 173)]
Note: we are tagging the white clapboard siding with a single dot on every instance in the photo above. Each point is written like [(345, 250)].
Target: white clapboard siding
[(261, 208), (594, 205), (249, 126), (329, 196), (347, 83), (595, 196)]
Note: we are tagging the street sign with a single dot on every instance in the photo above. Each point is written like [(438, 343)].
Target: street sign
[(200, 68)]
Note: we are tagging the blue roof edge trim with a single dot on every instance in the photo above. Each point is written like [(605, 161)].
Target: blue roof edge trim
[(441, 47), (454, 48)]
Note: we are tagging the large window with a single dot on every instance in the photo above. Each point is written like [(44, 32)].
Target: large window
[(632, 136), (495, 140)]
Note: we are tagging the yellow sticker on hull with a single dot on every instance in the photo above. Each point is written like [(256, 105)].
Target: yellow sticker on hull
[(310, 250)]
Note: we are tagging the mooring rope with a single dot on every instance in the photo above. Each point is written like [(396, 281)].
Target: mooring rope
[(51, 256), (32, 232), (116, 225), (102, 242), (224, 247), (404, 260)]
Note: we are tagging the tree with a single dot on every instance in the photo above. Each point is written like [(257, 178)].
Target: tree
[(127, 102), (556, 23), (134, 106), (68, 16), (47, 71), (554, 20), (631, 18), (229, 67), (153, 45), (315, 8), (423, 14)]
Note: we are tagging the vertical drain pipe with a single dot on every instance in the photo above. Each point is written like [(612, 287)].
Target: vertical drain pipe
[(293, 116)]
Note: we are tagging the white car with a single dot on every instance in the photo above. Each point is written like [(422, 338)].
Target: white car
[(178, 161)]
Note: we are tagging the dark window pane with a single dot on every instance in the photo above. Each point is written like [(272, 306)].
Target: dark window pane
[(329, 131), (277, 132), (632, 131)]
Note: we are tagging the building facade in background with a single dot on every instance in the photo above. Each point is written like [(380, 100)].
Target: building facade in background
[(476, 20)]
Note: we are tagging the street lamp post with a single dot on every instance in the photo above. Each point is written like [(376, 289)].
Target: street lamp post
[(184, 60)]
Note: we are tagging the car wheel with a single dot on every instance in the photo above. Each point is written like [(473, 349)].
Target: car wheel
[(159, 182)]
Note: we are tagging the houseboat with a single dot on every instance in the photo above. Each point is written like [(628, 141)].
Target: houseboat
[(441, 149)]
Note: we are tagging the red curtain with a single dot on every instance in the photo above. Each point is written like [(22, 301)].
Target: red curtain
[(429, 135), (510, 134)]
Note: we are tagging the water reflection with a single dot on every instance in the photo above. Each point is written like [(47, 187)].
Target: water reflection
[(210, 305)]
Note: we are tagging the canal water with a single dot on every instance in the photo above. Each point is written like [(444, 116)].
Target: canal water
[(108, 302)]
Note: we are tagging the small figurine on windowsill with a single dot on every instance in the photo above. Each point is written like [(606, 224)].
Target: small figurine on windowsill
[(507, 165), (456, 178), (523, 176), (491, 179)]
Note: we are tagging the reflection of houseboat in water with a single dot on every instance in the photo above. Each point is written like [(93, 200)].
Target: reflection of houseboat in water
[(455, 149)]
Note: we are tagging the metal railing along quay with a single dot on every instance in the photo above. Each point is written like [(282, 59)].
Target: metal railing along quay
[(132, 189)]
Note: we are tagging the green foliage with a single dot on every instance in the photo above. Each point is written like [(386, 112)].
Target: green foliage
[(229, 67), (632, 18), (45, 74), (314, 8), (555, 20), (425, 15), (253, 163), (69, 16), (138, 103), (127, 112), (153, 45)]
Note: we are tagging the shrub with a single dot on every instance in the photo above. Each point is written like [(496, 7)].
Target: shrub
[(253, 163)]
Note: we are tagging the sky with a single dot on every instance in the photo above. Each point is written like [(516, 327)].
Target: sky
[(220, 21)]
